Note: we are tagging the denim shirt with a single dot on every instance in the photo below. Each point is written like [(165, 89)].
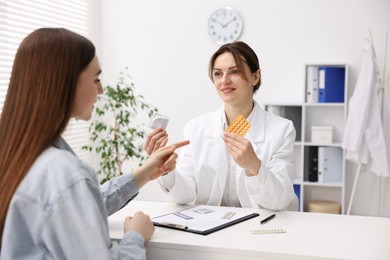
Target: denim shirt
[(59, 211)]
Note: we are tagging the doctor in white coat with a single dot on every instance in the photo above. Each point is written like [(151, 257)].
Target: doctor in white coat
[(221, 168)]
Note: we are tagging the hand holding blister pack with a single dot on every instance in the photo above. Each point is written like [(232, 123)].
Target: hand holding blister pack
[(240, 126), (159, 121)]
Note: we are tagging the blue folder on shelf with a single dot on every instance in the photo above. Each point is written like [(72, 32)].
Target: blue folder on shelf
[(331, 84), (297, 191)]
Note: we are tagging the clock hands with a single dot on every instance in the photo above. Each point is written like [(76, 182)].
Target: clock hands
[(226, 24)]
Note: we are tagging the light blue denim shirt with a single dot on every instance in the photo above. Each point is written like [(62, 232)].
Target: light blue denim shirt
[(59, 211)]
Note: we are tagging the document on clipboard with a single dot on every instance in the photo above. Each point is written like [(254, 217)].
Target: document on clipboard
[(204, 219)]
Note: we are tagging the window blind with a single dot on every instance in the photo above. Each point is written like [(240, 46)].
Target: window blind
[(20, 17)]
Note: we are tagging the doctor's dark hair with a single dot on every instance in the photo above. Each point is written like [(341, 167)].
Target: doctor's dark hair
[(39, 102), (241, 53)]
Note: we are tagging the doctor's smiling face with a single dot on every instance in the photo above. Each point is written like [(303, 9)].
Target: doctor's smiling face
[(235, 72), (230, 81)]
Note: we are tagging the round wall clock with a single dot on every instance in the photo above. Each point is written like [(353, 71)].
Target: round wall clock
[(225, 25)]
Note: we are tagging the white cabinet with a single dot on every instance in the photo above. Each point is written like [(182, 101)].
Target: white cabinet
[(320, 165)]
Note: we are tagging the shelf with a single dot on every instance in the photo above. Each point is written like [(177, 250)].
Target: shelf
[(324, 105), (318, 144), (330, 186)]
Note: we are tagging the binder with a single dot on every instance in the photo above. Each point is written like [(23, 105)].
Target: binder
[(204, 219), (297, 191), (311, 163), (331, 84), (312, 84), (329, 164)]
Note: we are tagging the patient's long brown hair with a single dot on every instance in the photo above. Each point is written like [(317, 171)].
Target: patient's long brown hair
[(39, 100)]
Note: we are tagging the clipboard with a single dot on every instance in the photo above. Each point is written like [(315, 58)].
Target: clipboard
[(204, 219)]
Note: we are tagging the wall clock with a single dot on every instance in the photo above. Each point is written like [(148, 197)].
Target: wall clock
[(225, 25)]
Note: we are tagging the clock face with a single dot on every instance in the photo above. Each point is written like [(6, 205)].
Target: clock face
[(225, 25)]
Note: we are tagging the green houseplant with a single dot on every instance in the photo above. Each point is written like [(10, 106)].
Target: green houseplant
[(118, 129)]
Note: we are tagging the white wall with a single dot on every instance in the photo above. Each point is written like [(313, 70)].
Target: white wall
[(166, 46), (95, 17)]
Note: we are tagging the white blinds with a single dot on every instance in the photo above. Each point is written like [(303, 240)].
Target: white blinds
[(20, 17)]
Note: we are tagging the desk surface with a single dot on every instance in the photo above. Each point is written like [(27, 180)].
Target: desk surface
[(309, 236)]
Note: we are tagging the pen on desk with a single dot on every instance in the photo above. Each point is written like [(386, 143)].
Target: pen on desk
[(267, 219), (173, 225)]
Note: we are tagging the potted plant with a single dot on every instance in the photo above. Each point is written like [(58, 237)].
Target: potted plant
[(118, 129)]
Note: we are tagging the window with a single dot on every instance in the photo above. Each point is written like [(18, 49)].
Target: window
[(20, 17)]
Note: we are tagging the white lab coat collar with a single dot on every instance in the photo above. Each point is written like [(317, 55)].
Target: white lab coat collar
[(257, 131)]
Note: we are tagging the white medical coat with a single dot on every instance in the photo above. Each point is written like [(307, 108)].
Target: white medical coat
[(363, 136), (202, 166)]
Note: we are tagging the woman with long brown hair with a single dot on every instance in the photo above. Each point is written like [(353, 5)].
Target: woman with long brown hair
[(52, 206)]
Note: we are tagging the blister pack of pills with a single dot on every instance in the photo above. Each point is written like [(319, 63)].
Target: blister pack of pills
[(267, 231), (240, 126)]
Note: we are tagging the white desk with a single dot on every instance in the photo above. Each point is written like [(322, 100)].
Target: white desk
[(309, 236)]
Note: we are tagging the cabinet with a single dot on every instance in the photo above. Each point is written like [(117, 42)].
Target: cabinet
[(312, 115)]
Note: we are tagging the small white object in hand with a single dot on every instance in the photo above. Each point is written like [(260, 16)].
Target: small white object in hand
[(159, 120)]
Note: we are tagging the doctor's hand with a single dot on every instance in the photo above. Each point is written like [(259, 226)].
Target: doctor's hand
[(156, 139), (242, 152), (159, 163)]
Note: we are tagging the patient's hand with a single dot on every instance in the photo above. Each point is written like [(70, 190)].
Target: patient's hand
[(156, 139), (141, 224), (159, 163)]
